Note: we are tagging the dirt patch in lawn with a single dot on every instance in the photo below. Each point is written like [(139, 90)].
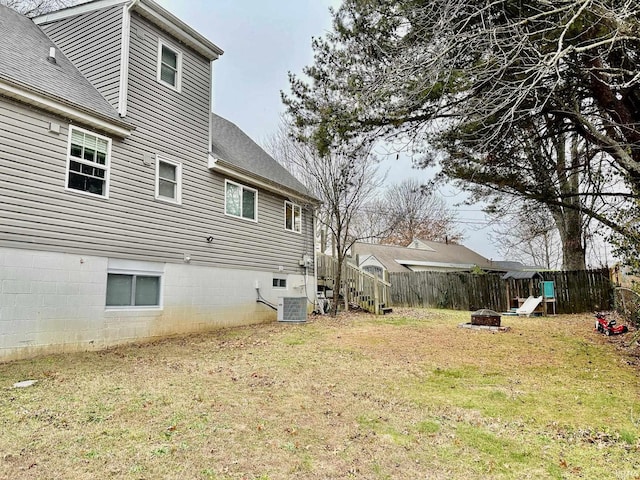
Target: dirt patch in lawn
[(407, 395)]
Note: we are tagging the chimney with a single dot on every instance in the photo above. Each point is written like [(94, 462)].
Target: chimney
[(52, 55)]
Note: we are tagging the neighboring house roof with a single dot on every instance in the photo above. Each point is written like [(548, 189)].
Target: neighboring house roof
[(522, 275), (236, 154), (420, 244), (509, 265), (437, 255), (518, 266), (29, 75)]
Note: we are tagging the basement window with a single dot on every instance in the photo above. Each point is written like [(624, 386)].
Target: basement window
[(131, 290)]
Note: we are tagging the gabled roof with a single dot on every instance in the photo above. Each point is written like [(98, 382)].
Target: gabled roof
[(27, 74), (152, 12), (437, 255), (234, 153)]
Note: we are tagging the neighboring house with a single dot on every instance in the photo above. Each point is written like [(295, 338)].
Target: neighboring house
[(419, 256), (513, 266), (129, 211)]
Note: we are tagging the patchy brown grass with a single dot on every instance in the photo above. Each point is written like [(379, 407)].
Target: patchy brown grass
[(397, 397)]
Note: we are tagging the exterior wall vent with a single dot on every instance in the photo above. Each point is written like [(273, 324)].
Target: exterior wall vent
[(52, 55), (292, 309)]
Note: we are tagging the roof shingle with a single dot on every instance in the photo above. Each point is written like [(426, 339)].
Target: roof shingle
[(438, 253), (233, 146), (24, 52)]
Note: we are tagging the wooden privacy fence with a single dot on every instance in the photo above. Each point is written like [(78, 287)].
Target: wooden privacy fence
[(575, 291), (359, 287)]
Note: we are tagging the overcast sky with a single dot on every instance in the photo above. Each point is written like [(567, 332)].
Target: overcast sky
[(262, 41)]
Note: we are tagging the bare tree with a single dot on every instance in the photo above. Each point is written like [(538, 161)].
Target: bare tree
[(33, 8), (405, 211), (530, 236), (477, 73), (416, 211), (373, 221), (547, 164), (342, 182)]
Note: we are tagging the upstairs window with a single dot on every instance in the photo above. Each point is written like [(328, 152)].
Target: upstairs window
[(241, 201), (292, 217), (169, 66), (168, 180), (88, 162)]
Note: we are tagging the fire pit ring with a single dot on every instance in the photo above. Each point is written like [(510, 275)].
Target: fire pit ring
[(485, 317)]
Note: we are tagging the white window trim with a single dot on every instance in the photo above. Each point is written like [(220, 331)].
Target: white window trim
[(107, 165), (178, 86), (178, 165), (140, 273), (280, 277), (293, 223), (242, 187)]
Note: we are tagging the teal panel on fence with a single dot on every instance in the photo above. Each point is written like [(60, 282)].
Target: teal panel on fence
[(548, 289)]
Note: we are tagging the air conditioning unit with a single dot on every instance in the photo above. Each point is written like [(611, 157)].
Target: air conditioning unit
[(292, 309)]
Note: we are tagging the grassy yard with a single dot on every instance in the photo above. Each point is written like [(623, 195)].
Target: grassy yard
[(405, 396)]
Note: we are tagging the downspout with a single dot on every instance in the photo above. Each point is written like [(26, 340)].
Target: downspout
[(315, 258), (125, 41)]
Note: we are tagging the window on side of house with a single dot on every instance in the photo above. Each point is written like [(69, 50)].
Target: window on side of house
[(133, 290), (292, 217), (241, 201), (88, 162), (279, 281), (169, 65), (373, 270), (168, 180)]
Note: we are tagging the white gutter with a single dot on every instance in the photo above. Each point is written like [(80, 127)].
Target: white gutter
[(216, 165), (419, 263), (154, 13), (63, 110), (183, 32)]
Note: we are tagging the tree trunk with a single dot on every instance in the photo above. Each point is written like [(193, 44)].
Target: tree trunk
[(336, 289), (569, 220), (569, 225)]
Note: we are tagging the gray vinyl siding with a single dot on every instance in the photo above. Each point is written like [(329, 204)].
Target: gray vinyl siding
[(37, 212), (92, 42), (172, 123)]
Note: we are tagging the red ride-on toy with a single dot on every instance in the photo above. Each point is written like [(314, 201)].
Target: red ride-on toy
[(608, 327)]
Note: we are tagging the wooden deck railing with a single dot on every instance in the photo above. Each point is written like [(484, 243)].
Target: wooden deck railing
[(368, 291)]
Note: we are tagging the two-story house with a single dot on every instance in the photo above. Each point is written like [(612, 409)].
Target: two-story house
[(128, 210)]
